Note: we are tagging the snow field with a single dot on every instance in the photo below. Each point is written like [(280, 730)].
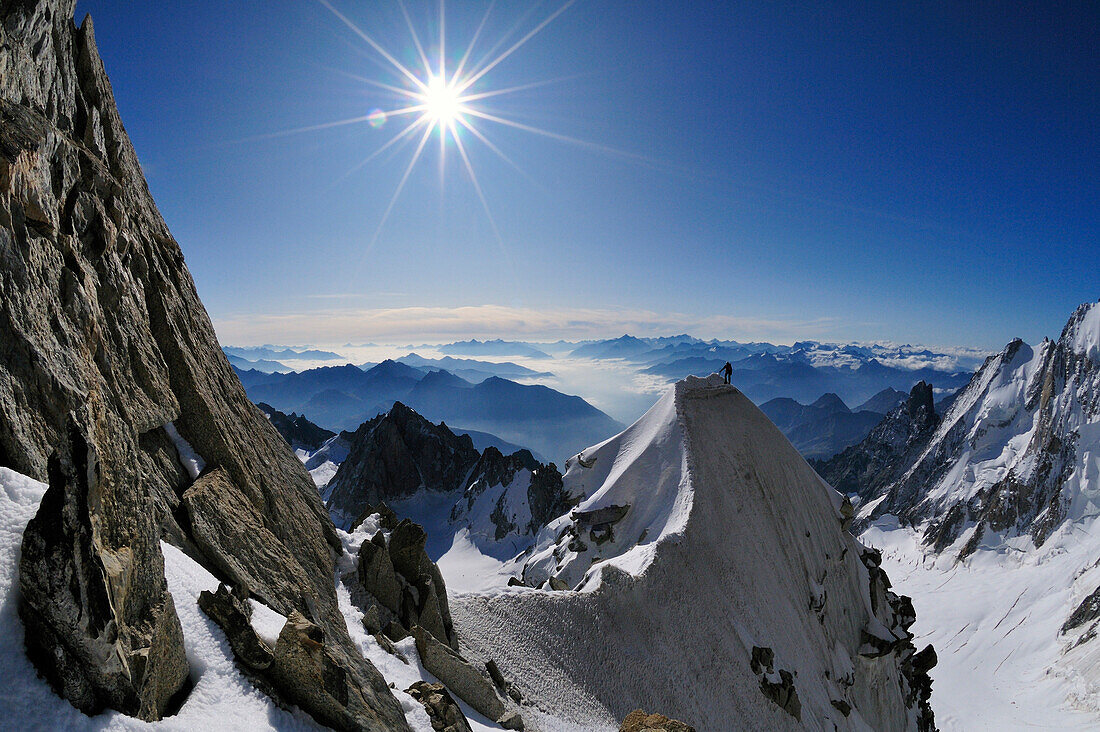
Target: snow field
[(222, 698), (995, 622)]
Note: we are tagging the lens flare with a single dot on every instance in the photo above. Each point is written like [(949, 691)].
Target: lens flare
[(376, 118)]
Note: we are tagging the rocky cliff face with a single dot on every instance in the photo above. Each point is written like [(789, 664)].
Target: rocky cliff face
[(397, 455), (1013, 455), (113, 388), (864, 469)]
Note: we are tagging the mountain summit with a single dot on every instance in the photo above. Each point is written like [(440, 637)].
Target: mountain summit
[(705, 549)]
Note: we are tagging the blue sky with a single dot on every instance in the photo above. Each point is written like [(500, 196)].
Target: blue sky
[(920, 172)]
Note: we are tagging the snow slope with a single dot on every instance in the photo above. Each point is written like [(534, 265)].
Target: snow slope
[(995, 622), (1018, 452), (1001, 541), (740, 538)]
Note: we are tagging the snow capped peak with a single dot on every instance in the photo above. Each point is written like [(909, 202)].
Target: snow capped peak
[(702, 517), (1082, 333), (640, 485), (1015, 455)]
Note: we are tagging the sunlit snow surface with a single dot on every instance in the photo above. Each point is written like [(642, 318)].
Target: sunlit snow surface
[(994, 621)]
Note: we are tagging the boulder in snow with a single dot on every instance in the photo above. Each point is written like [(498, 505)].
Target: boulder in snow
[(234, 615), (234, 537), (458, 674), (443, 710), (101, 626), (313, 675)]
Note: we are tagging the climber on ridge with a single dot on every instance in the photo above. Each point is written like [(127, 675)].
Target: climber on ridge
[(727, 372)]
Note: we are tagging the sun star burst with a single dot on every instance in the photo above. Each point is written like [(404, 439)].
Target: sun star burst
[(435, 101)]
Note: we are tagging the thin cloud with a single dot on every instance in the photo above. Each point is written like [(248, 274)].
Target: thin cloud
[(426, 324)]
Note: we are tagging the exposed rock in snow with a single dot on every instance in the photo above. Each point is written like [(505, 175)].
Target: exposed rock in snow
[(234, 615), (101, 625), (403, 585), (728, 539), (232, 536), (226, 696), (316, 676), (444, 712), (460, 676), (639, 721)]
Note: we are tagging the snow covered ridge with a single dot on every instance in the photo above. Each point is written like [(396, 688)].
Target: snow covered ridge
[(1082, 332), (1018, 452), (638, 491), (708, 556)]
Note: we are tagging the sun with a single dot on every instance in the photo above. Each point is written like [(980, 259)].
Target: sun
[(442, 102), (435, 99)]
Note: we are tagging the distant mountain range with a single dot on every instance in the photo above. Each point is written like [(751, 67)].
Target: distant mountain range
[(802, 372), (827, 426), (276, 353), (492, 348), (473, 370), (797, 376), (264, 365), (343, 397)]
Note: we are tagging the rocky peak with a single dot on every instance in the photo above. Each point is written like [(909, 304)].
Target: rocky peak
[(397, 455), (879, 459), (524, 510), (298, 431), (920, 407), (393, 456), (494, 468)]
